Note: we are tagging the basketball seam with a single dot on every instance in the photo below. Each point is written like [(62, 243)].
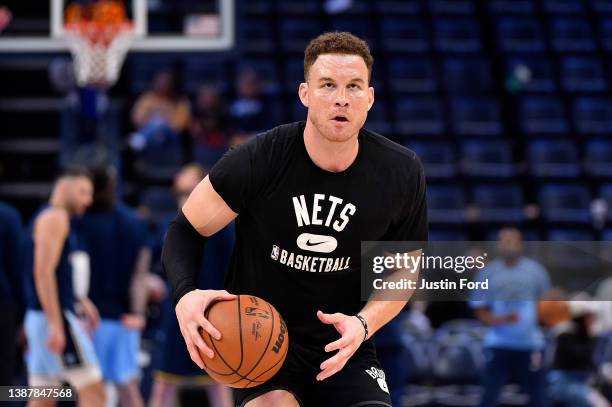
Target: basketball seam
[(232, 370), (281, 360), (265, 348)]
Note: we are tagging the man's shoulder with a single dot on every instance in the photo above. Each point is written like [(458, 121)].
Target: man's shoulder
[(274, 141), (390, 151)]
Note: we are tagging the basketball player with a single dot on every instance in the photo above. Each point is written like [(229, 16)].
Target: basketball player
[(304, 195), (116, 240), (175, 369), (59, 348)]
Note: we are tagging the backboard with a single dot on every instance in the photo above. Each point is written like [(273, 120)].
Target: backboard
[(160, 25)]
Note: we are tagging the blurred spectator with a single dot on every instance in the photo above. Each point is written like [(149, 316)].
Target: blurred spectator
[(11, 290), (573, 365), (210, 126), (248, 112), (161, 115), (514, 342), (174, 367), (115, 239)]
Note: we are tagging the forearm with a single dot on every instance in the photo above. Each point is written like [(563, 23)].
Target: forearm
[(182, 256), (46, 289), (138, 287)]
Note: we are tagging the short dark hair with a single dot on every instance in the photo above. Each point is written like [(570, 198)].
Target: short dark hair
[(337, 43), (74, 171)]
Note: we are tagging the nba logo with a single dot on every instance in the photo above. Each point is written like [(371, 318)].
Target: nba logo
[(275, 252)]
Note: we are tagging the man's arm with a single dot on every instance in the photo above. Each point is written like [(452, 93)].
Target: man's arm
[(139, 290), (50, 234), (377, 312), (205, 213)]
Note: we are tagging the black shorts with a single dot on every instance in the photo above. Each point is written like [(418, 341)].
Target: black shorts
[(360, 383)]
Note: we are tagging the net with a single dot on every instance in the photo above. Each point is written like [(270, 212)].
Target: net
[(99, 37)]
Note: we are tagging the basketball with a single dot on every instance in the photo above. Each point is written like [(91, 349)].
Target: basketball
[(253, 345), (552, 313)]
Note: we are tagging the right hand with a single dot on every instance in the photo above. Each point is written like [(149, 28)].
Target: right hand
[(56, 340), (190, 314)]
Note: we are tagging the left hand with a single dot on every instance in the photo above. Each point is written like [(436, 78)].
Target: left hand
[(351, 332), (90, 313)]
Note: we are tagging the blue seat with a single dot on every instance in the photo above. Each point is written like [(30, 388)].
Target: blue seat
[(294, 74), (361, 27), (266, 70), (605, 192), (593, 115), (160, 201), (571, 35), (463, 7), (298, 111), (487, 158), (378, 118), (404, 35), (583, 74), (512, 6), (476, 116), (540, 70), (602, 6), (553, 158), (398, 7), (567, 203), (569, 235), (256, 8), (543, 115), (441, 235), (255, 36), (598, 158), (301, 7), (413, 75), (520, 34), (358, 8), (499, 203), (459, 73), (457, 35), (446, 204), (605, 33), (438, 158), (297, 33), (419, 116), (457, 359), (563, 6), (606, 235), (204, 70)]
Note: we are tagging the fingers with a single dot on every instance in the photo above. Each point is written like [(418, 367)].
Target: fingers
[(330, 318), (224, 295), (208, 327), (334, 364), (339, 344)]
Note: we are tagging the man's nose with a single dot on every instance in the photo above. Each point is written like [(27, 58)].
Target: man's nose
[(341, 99)]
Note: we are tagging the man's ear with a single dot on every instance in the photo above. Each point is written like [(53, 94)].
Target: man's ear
[(370, 97), (303, 93)]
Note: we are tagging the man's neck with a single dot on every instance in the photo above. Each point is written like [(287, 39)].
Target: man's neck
[(57, 201), (328, 155)]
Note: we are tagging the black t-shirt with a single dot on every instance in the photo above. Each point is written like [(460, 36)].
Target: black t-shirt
[(299, 228)]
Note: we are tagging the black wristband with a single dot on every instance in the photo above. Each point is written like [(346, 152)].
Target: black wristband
[(365, 326)]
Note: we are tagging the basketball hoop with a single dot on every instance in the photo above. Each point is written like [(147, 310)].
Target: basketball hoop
[(99, 45)]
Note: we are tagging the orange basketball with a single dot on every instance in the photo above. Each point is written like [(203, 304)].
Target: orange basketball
[(253, 345), (552, 313)]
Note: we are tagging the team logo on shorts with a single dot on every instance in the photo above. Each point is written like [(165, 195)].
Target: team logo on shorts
[(378, 375), (275, 252)]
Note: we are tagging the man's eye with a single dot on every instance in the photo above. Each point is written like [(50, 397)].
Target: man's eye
[(353, 86), (328, 85)]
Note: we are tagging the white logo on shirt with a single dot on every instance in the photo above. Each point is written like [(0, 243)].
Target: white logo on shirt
[(317, 243), (379, 376), (306, 217)]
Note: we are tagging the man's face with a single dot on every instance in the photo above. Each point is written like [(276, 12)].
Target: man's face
[(81, 195), (510, 244), (337, 95)]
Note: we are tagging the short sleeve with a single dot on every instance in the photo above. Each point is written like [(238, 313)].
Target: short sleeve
[(412, 224), (239, 174)]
